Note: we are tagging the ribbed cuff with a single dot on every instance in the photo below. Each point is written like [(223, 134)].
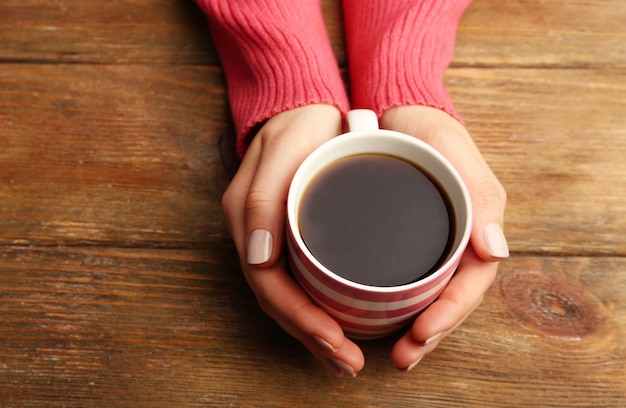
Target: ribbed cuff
[(399, 50), (276, 56)]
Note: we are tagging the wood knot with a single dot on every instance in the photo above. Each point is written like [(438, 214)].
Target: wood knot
[(553, 305)]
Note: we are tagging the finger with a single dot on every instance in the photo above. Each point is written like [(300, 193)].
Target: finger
[(292, 309), (286, 142), (348, 359), (470, 282), (450, 138), (407, 352), (462, 294), (488, 201), (298, 316), (265, 206), (487, 194), (233, 199)]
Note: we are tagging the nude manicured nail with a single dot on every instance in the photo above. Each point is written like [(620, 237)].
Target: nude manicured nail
[(332, 367), (495, 241), (326, 345), (412, 366), (432, 339), (259, 247), (344, 367)]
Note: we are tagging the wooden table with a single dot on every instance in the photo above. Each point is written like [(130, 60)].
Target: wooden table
[(119, 284)]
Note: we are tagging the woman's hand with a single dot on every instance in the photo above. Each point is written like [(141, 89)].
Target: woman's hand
[(255, 208), (479, 264)]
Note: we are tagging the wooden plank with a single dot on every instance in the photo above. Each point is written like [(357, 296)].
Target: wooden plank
[(117, 31), (528, 33), (121, 155), (130, 145), (140, 155), (572, 33), (93, 327), (557, 141)]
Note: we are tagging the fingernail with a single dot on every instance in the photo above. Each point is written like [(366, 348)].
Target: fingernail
[(332, 367), (495, 241), (259, 247), (344, 367), (432, 339), (326, 345), (412, 366)]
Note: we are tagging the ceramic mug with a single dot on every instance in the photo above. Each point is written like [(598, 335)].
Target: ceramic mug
[(363, 310)]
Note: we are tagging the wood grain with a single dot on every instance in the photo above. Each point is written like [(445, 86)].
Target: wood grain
[(113, 32), (140, 155), (119, 284), (529, 33), (537, 33), (122, 155), (102, 327), (557, 141)]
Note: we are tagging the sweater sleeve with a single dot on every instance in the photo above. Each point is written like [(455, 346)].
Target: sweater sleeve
[(398, 51), (276, 55)]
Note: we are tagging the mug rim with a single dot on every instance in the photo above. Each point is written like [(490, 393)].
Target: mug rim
[(301, 177)]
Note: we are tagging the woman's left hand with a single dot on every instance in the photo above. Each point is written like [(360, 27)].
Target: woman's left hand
[(488, 245)]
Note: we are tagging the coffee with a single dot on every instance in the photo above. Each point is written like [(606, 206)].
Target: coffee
[(376, 220)]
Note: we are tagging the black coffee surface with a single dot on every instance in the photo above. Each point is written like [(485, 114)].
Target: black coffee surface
[(376, 220)]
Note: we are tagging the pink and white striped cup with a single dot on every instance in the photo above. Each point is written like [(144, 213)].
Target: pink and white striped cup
[(366, 311)]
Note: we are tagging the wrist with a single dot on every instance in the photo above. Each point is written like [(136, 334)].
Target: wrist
[(399, 53)]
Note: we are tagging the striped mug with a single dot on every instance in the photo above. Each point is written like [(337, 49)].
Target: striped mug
[(366, 310)]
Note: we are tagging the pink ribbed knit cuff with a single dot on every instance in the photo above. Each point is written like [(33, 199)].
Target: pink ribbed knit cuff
[(276, 55), (399, 51)]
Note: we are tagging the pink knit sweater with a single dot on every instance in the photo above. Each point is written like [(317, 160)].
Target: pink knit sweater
[(277, 55)]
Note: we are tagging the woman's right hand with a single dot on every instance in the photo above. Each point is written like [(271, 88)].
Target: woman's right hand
[(255, 209)]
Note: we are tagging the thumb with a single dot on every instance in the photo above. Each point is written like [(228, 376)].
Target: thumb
[(286, 140), (488, 201), (452, 139), (265, 210)]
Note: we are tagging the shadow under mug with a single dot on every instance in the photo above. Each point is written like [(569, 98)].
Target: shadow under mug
[(366, 311)]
